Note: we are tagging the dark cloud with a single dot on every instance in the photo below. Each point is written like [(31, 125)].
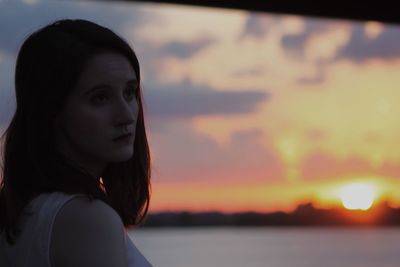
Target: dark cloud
[(296, 42), (153, 56), (361, 48), (186, 100), (18, 20), (255, 26), (184, 50)]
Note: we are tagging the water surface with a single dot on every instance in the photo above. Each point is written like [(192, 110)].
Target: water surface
[(274, 247)]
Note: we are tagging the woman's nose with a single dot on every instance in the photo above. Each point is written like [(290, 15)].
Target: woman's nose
[(125, 113)]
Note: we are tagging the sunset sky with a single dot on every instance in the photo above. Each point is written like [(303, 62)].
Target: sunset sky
[(247, 111)]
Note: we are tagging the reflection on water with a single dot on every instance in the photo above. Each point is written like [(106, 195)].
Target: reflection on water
[(275, 247)]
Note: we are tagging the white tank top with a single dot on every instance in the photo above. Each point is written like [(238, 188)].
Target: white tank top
[(32, 247)]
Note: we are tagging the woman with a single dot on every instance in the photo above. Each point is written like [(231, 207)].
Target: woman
[(76, 161)]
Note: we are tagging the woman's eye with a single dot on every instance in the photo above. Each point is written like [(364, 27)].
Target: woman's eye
[(130, 94), (99, 99)]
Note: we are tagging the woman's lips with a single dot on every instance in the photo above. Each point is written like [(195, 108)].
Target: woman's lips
[(125, 137)]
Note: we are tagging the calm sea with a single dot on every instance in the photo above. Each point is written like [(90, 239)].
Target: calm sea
[(270, 247)]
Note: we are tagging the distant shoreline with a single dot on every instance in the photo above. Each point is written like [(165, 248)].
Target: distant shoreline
[(305, 215)]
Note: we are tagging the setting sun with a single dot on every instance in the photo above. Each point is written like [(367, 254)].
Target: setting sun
[(357, 196)]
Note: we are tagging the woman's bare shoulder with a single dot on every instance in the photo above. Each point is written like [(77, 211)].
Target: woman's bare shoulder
[(87, 233), (81, 210)]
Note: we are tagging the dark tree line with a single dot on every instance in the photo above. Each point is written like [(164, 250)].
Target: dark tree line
[(303, 215)]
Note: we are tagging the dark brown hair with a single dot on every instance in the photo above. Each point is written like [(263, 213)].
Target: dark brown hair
[(48, 66)]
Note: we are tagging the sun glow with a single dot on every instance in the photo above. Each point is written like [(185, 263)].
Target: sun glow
[(357, 196)]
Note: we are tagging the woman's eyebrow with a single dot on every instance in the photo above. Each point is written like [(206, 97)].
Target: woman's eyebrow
[(97, 87), (107, 86), (133, 81)]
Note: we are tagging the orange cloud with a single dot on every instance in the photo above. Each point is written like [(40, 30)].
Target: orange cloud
[(324, 166)]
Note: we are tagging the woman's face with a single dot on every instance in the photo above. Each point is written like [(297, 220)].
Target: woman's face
[(101, 108)]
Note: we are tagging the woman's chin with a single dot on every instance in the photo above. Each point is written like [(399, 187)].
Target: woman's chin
[(122, 156)]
